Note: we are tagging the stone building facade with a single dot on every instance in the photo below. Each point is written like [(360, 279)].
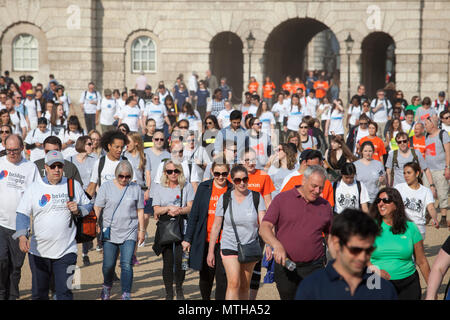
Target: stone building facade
[(93, 40)]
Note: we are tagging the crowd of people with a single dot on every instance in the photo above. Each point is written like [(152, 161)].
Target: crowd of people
[(319, 192)]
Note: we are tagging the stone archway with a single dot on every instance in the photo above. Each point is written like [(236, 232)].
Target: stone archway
[(285, 48), (227, 60), (377, 59)]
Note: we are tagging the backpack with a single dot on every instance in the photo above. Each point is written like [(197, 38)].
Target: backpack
[(436, 104), (358, 185), (395, 162), (101, 165), (85, 93), (388, 110), (441, 137), (227, 197), (87, 225)]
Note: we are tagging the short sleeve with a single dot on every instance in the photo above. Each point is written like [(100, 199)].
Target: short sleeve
[(156, 195), (445, 137), (189, 193), (428, 197), (94, 175), (268, 185), (219, 207), (25, 205), (364, 196), (273, 212), (414, 231), (389, 160), (100, 200), (262, 204), (422, 161), (140, 203)]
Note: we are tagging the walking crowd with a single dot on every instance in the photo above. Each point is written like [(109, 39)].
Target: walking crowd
[(322, 194)]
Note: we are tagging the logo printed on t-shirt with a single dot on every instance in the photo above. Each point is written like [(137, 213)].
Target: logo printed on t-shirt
[(44, 200), (3, 174)]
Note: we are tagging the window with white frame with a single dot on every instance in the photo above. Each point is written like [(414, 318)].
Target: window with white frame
[(25, 53), (143, 55)]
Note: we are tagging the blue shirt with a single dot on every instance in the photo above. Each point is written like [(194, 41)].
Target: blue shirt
[(327, 284), (202, 97)]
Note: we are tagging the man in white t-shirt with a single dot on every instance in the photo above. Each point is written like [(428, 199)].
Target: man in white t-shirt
[(16, 174), (35, 139), (380, 108), (33, 108), (106, 111), (311, 104), (90, 101), (440, 104), (157, 111), (18, 119), (51, 246)]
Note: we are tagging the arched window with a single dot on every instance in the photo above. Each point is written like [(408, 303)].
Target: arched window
[(143, 55), (25, 53)]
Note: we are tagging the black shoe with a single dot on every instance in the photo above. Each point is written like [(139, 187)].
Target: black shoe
[(115, 277), (169, 296), (443, 222), (180, 295), (86, 261)]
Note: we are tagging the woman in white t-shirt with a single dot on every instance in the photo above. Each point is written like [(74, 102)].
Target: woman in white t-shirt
[(417, 198), (130, 114), (307, 141), (266, 117), (354, 111), (295, 114), (58, 121), (224, 115), (63, 98), (335, 123), (70, 135), (350, 193), (191, 115), (322, 112)]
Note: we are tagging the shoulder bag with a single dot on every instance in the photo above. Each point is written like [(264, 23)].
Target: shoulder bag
[(170, 228), (106, 232)]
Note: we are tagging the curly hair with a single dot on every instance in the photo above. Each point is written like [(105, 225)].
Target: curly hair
[(109, 136)]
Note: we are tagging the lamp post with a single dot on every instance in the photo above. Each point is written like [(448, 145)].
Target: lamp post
[(250, 45), (348, 46)]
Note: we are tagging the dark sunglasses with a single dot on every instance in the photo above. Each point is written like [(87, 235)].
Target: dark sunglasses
[(445, 118), (357, 250), (183, 127), (303, 127), (158, 139), (239, 180), (402, 141), (385, 200), (56, 165), (121, 176), (6, 131), (218, 174), (363, 123), (176, 171)]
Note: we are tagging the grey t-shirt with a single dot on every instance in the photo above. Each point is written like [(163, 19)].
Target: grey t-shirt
[(398, 171), (135, 161), (124, 225), (165, 196), (422, 114), (369, 175), (435, 152), (245, 218), (85, 168), (155, 160), (277, 175)]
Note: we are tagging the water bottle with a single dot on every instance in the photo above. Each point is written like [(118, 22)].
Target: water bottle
[(185, 261), (290, 265)]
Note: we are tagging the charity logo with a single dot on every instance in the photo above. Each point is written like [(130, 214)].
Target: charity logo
[(109, 106), (44, 200), (3, 174)]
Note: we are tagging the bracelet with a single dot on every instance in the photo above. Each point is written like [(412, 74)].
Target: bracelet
[(432, 185)]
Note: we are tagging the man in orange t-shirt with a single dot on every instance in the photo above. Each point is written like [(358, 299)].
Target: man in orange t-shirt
[(417, 141), (268, 91), (287, 86), (321, 86), (253, 85)]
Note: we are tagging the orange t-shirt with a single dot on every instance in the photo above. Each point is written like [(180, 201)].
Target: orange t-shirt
[(321, 92), (380, 150), (253, 87), (259, 181), (215, 195), (419, 144), (295, 86), (287, 86), (327, 192), (268, 90)]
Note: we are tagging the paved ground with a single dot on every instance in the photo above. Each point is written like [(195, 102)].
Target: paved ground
[(148, 282)]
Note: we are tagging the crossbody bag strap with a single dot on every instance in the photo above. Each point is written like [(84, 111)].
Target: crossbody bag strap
[(123, 194), (230, 205)]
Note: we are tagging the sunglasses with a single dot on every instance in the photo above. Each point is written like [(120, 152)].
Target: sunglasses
[(6, 131), (218, 174), (303, 127), (445, 118), (184, 128), (385, 200), (121, 176), (158, 139), (363, 123), (176, 171), (357, 250), (10, 151), (209, 122), (402, 141), (56, 165), (239, 180)]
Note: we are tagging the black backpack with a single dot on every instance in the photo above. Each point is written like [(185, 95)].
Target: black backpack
[(101, 165), (227, 197)]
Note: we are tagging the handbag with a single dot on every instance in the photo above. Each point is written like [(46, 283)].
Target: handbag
[(106, 232), (169, 228), (250, 252)]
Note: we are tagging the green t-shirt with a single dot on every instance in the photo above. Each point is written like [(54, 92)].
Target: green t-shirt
[(394, 252), (413, 108)]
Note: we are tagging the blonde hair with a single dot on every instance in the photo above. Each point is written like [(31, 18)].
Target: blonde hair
[(137, 139), (181, 177)]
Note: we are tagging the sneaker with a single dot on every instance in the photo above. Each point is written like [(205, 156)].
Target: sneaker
[(86, 261), (443, 222), (135, 260), (180, 294), (106, 293), (98, 249), (126, 296)]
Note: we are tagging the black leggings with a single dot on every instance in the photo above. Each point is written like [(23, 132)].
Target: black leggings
[(207, 275), (172, 254), (408, 288)]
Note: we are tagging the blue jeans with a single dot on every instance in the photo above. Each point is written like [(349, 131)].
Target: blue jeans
[(42, 270), (110, 253)]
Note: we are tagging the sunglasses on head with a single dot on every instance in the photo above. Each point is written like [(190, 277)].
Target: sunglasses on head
[(169, 172), (223, 174), (385, 200), (357, 250), (56, 165), (121, 176), (239, 180)]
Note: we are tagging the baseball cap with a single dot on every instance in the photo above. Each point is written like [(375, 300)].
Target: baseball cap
[(442, 94), (53, 157), (148, 87), (30, 92), (310, 154)]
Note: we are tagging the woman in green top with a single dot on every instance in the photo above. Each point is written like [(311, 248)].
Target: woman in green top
[(398, 241), (415, 104)]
